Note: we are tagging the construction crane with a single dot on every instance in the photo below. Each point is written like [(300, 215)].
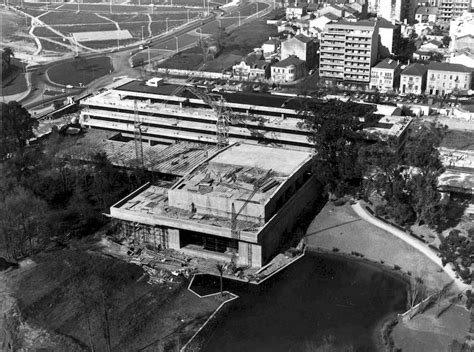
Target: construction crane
[(137, 136), (256, 187)]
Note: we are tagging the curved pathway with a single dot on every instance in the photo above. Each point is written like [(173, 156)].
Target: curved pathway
[(428, 252)]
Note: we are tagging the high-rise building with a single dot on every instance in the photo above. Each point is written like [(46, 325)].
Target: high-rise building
[(392, 10), (451, 9), (348, 50)]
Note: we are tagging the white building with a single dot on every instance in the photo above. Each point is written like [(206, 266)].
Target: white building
[(385, 76)]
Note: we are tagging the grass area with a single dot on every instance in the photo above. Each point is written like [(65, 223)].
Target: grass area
[(108, 44), (236, 45), (46, 32), (80, 71), (341, 228), (160, 26), (15, 82), (73, 299), (71, 17), (425, 332), (50, 46), (104, 26), (459, 140)]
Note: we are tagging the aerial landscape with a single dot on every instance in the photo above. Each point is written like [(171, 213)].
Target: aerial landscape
[(237, 175)]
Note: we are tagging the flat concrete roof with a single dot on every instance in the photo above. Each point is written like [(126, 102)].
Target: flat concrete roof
[(457, 180), (284, 162), (389, 126)]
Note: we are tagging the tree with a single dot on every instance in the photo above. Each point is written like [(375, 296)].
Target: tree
[(7, 55), (416, 292), (335, 128), (446, 40), (220, 269), (16, 127), (22, 223)]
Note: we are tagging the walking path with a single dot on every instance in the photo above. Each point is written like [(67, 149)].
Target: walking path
[(428, 252)]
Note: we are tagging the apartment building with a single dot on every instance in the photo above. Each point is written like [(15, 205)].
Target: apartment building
[(413, 79), (385, 76), (452, 9), (392, 10), (348, 50), (288, 70), (445, 78)]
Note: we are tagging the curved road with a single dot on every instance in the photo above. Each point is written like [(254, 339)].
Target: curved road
[(428, 252)]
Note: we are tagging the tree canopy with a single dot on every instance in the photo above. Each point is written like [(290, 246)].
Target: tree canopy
[(16, 127)]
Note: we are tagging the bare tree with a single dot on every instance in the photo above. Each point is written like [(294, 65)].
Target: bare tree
[(416, 292), (441, 296), (220, 269)]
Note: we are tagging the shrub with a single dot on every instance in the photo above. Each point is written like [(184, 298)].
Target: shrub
[(396, 267), (335, 249)]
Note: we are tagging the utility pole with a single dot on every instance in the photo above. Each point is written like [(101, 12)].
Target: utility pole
[(143, 40), (257, 8), (239, 18), (177, 45), (110, 6), (149, 60), (188, 15)]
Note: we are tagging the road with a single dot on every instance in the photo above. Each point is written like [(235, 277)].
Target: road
[(170, 41)]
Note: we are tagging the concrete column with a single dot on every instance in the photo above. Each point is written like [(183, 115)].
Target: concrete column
[(243, 259), (257, 260), (173, 239)]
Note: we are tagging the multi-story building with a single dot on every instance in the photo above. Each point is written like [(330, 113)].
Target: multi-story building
[(452, 9), (389, 35), (288, 70), (461, 31), (385, 76), (253, 67), (445, 78), (413, 79), (301, 46), (348, 50), (464, 57), (392, 10), (426, 14)]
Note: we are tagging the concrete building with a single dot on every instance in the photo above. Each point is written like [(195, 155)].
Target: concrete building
[(385, 76), (426, 14), (461, 31), (464, 57), (389, 34), (348, 50), (431, 45), (413, 79), (451, 9), (301, 46), (445, 78), (392, 10), (271, 46), (288, 70), (241, 204)]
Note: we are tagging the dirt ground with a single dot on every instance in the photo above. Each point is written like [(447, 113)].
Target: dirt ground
[(60, 293), (15, 33), (341, 228)]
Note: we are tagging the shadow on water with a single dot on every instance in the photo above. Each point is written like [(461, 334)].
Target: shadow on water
[(321, 301)]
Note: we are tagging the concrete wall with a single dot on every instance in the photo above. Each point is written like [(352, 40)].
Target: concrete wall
[(272, 235), (216, 205), (189, 73)]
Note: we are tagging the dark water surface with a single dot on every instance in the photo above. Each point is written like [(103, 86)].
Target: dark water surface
[(321, 300)]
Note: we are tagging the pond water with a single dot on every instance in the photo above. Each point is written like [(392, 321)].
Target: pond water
[(320, 302)]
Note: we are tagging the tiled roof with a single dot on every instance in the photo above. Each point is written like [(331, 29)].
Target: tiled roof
[(387, 63), (444, 66), (303, 38), (415, 70), (290, 60)]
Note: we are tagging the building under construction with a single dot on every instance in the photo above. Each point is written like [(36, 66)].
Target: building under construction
[(242, 203)]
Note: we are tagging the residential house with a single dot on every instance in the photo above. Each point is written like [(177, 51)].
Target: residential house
[(333, 9), (288, 70), (422, 55), (296, 11), (445, 78), (303, 47), (413, 79), (426, 14), (253, 67), (385, 76), (461, 31), (271, 46), (431, 45)]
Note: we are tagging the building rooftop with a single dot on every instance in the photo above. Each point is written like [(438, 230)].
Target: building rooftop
[(387, 64), (389, 126), (383, 23), (302, 38), (427, 10), (415, 70), (457, 180), (290, 60), (342, 22), (444, 66)]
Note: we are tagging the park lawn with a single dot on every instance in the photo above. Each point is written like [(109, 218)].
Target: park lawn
[(458, 140), (67, 29), (46, 33), (58, 290), (71, 17), (51, 46), (80, 70), (222, 62), (183, 61), (339, 228), (425, 332)]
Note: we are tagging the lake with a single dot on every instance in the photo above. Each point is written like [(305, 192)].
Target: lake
[(321, 302)]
